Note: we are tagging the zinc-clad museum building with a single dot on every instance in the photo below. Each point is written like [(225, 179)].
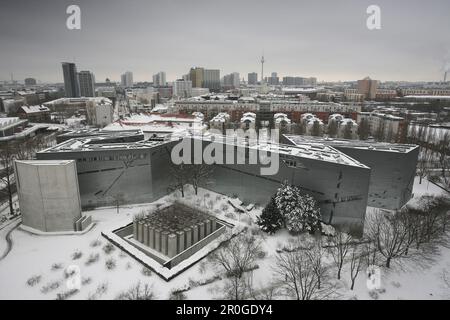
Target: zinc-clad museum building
[(393, 167), (139, 172)]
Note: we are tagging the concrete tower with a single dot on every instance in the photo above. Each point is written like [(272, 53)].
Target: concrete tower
[(262, 68)]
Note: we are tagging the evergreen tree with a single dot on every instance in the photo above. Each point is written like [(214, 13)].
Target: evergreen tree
[(270, 219), (300, 211), (305, 217)]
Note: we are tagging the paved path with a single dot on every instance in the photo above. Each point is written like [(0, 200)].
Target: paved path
[(9, 229)]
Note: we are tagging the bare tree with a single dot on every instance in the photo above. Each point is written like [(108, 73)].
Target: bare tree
[(370, 252), (348, 131), (138, 292), (446, 281), (234, 258), (199, 174), (411, 221), (403, 134), (364, 129), (316, 256), (8, 154), (296, 274), (338, 248), (390, 236), (356, 258), (316, 129), (423, 164), (180, 175), (296, 271), (380, 132), (332, 128), (434, 218), (443, 148), (390, 135)]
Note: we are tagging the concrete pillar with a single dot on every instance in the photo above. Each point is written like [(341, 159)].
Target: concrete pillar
[(172, 245), (207, 227), (194, 234), (145, 234), (180, 241), (213, 225), (140, 231), (135, 230), (151, 237), (201, 228), (158, 239), (188, 237), (164, 236)]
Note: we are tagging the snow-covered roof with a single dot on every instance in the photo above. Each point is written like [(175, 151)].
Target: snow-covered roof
[(160, 107), (158, 123), (313, 151), (347, 121), (86, 144), (307, 116), (46, 162), (34, 109), (336, 116), (5, 122), (249, 114), (311, 121), (221, 117), (356, 144), (299, 90), (428, 97), (248, 119), (280, 117), (198, 114)]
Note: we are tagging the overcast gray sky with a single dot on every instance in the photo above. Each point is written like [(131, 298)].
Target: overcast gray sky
[(326, 39)]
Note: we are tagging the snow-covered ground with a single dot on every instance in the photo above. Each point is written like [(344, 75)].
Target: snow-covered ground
[(46, 257)]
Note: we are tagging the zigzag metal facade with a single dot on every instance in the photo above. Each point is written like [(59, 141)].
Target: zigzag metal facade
[(140, 172), (393, 167)]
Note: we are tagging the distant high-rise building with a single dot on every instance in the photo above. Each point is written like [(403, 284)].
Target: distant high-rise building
[(299, 81), (231, 81), (252, 78), (368, 88), (71, 84), (30, 81), (196, 76), (159, 79), (204, 78), (182, 88), (126, 79), (211, 79), (87, 83), (312, 81), (273, 79)]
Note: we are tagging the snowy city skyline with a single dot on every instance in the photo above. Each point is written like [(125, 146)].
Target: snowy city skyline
[(328, 39), (225, 150)]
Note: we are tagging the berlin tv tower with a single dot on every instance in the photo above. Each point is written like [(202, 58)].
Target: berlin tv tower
[(262, 68)]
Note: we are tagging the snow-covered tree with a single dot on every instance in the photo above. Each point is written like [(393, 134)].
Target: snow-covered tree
[(299, 210), (270, 219)]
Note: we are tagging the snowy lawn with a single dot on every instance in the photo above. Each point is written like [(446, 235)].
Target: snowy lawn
[(34, 269)]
